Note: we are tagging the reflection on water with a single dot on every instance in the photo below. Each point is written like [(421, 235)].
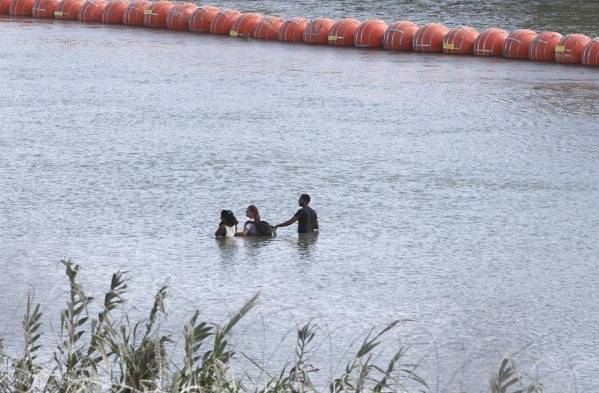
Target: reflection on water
[(306, 242)]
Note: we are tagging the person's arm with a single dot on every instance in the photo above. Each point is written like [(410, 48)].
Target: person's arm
[(245, 232), (316, 224), (287, 223), (221, 231)]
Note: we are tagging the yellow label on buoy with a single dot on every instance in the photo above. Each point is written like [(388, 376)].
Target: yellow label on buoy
[(447, 45), (332, 38), (57, 13), (560, 49), (233, 33), (148, 12)]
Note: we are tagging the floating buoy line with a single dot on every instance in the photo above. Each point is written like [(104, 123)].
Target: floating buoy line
[(546, 46)]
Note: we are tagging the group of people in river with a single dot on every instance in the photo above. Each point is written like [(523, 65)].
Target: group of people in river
[(306, 218)]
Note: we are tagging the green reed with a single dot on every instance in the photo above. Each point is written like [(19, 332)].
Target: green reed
[(107, 352)]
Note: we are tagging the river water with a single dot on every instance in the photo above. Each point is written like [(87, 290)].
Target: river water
[(458, 192)]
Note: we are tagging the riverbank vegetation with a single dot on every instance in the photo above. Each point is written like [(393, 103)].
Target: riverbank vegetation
[(108, 352)]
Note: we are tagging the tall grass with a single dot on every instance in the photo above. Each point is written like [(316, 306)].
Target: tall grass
[(107, 352)]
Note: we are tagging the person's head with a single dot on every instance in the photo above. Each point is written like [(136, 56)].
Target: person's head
[(252, 213), (228, 218), (304, 200)]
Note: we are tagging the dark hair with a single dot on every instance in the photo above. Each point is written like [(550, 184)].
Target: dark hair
[(255, 212), (305, 198), (229, 218)]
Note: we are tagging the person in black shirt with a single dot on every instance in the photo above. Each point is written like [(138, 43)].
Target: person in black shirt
[(307, 220)]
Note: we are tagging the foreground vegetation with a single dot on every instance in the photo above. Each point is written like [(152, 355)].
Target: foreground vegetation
[(108, 352)]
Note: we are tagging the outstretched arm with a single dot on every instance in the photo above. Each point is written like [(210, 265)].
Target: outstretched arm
[(242, 234), (287, 223)]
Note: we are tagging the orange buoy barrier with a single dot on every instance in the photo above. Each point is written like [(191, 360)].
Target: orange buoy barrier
[(429, 38), (91, 11), (517, 44), (201, 18), (21, 7), (542, 48), (67, 9), (113, 12), (317, 32), (399, 35), (460, 41), (268, 28), (4, 7), (156, 15), (569, 50), (178, 17), (370, 34), (343, 32), (490, 42), (44, 8), (223, 21), (293, 30), (135, 13), (245, 25), (590, 54)]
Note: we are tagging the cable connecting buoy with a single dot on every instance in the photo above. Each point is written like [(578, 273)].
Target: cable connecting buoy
[(44, 8), (91, 11), (399, 36), (517, 44), (429, 38), (370, 34), (179, 16), (67, 9), (590, 54), (21, 7), (135, 13), (343, 32), (569, 50), (202, 18), (156, 15), (490, 42), (245, 25), (542, 48), (293, 30), (460, 41), (268, 28), (317, 32), (223, 21)]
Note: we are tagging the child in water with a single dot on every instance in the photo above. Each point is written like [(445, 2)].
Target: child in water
[(228, 224)]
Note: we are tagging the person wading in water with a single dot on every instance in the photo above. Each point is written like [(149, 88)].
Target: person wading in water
[(307, 220)]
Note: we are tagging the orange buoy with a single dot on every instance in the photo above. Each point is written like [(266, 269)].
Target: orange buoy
[(490, 42), (67, 9), (44, 8), (343, 32), (114, 11), (178, 17), (135, 12), (156, 15), (517, 44), (245, 25), (590, 54), (91, 11), (370, 34), (460, 41), (268, 28), (21, 7), (399, 35), (223, 21), (293, 30), (317, 32), (569, 50), (201, 18), (542, 48), (4, 7), (429, 38)]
